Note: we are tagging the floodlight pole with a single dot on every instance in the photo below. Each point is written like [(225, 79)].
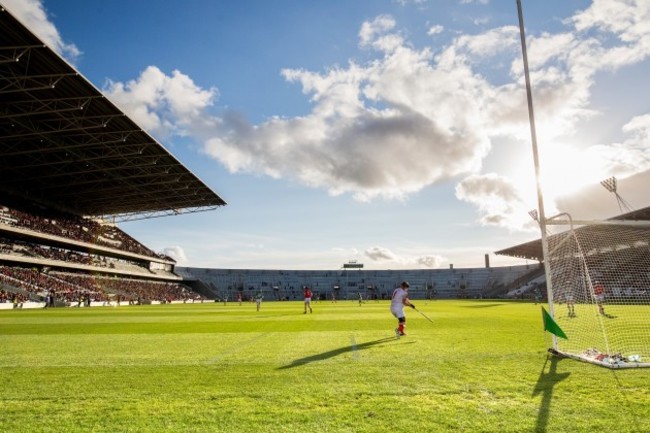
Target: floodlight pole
[(610, 185), (540, 196)]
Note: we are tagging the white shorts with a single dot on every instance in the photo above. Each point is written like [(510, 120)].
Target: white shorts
[(397, 310), (307, 300)]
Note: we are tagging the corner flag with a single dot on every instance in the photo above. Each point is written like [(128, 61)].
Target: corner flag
[(551, 326)]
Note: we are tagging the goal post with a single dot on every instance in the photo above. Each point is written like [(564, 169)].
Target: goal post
[(600, 290), (600, 271)]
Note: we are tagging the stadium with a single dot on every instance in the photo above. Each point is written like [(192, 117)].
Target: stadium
[(73, 166)]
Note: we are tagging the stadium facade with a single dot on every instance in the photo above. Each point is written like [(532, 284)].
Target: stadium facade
[(343, 283)]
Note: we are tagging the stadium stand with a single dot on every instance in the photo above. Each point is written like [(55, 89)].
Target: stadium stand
[(629, 285), (72, 165), (533, 250), (474, 283)]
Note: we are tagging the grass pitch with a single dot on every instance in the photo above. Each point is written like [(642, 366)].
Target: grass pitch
[(480, 367)]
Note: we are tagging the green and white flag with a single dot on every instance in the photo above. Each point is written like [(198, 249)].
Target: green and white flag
[(551, 326)]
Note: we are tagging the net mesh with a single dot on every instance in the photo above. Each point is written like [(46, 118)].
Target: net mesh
[(600, 277)]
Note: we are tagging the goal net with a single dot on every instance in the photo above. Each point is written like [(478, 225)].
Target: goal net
[(600, 281)]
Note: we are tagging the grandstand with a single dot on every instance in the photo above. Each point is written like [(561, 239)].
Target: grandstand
[(532, 250), (71, 166), (467, 283)]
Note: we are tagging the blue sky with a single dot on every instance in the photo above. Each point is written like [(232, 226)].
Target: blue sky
[(391, 132)]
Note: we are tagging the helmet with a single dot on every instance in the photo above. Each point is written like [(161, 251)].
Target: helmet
[(405, 284)]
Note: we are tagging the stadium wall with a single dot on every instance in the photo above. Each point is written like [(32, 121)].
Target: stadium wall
[(459, 283)]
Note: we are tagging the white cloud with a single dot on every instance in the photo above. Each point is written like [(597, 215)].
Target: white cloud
[(499, 201), (177, 253), (380, 254), (430, 262), (371, 30), (628, 20), (489, 43), (376, 34), (163, 104), (32, 14), (628, 157), (389, 259), (434, 30)]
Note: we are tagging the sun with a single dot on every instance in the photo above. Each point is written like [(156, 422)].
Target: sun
[(565, 169)]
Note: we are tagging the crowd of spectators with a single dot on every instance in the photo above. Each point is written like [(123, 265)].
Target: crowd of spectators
[(16, 298), (73, 227), (131, 289), (11, 246), (69, 287), (40, 284), (77, 288)]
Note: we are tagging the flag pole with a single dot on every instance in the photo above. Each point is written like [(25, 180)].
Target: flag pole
[(540, 196)]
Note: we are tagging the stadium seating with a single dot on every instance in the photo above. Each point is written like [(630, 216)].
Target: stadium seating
[(80, 262), (347, 284)]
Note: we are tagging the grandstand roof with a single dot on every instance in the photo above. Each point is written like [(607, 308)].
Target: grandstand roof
[(65, 145), (533, 250)]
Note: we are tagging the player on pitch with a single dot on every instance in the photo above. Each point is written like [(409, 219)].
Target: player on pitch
[(308, 295), (399, 299)]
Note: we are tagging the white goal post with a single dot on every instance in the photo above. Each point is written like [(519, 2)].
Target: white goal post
[(599, 271), (599, 291)]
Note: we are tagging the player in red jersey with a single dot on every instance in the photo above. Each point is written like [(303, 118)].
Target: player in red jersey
[(308, 296)]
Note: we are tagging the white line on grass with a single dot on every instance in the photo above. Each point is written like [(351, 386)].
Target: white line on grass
[(355, 349)]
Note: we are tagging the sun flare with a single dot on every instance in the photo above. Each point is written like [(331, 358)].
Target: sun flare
[(564, 169)]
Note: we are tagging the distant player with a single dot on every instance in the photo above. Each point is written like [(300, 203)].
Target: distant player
[(599, 295), (399, 299), (258, 300), (570, 303), (308, 296)]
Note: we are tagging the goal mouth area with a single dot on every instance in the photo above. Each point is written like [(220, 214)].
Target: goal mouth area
[(614, 364), (600, 273)]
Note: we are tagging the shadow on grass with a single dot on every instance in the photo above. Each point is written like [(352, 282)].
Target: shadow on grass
[(544, 386), (332, 353)]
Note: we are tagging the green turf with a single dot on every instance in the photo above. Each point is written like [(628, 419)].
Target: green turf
[(480, 367)]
